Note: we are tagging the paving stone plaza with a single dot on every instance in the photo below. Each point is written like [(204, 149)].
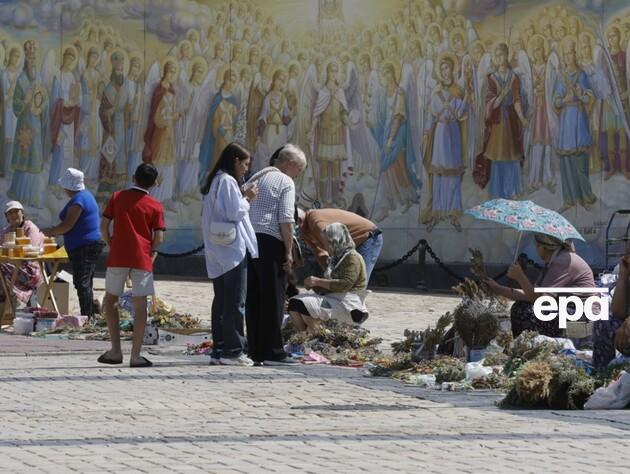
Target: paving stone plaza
[(63, 412)]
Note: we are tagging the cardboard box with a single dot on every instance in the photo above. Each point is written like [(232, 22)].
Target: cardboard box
[(61, 290), (172, 338)]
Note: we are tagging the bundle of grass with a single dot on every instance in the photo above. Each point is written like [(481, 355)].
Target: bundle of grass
[(422, 344), (449, 369), (554, 382), (475, 322), (525, 348)]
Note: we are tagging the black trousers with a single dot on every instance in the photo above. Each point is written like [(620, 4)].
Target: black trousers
[(83, 262), (264, 311)]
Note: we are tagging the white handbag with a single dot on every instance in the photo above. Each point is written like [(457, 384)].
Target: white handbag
[(221, 233)]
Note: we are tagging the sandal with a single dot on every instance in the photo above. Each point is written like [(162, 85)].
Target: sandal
[(104, 359), (145, 363)]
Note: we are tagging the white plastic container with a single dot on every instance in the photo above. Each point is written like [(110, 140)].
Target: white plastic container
[(23, 324), (44, 324)]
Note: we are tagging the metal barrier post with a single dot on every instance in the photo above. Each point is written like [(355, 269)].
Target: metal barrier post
[(422, 262)]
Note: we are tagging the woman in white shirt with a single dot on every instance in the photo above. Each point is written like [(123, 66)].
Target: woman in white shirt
[(226, 207)]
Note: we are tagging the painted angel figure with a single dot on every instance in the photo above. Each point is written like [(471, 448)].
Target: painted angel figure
[(504, 121), (398, 178), (539, 154), (261, 86), (272, 130), (445, 154), (10, 76), (30, 105), (371, 90), (220, 125), (65, 115), (135, 141), (195, 95), (481, 64), (113, 112), (90, 129), (569, 94), (159, 137)]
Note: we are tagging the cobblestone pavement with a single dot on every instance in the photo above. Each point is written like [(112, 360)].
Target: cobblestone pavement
[(66, 413)]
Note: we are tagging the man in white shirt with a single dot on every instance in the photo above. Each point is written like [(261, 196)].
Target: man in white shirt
[(272, 216)]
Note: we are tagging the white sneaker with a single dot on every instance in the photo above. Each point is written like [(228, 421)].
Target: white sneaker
[(241, 360), (215, 361)]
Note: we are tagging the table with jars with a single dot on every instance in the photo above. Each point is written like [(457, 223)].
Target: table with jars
[(17, 249)]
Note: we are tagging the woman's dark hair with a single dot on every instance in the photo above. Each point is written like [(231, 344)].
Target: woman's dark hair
[(226, 163), (145, 175)]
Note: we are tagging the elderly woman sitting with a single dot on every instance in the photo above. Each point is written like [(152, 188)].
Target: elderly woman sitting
[(341, 294), (29, 275), (563, 268)]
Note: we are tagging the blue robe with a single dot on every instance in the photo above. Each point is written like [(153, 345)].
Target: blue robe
[(206, 150)]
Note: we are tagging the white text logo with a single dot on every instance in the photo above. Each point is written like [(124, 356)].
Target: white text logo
[(547, 307)]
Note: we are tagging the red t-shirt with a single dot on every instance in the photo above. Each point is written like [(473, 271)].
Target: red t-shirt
[(136, 216)]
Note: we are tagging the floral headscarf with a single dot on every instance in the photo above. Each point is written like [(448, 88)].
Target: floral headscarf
[(339, 244)]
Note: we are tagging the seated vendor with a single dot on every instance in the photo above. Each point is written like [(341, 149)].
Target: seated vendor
[(341, 293), (563, 268), (607, 333), (29, 275)]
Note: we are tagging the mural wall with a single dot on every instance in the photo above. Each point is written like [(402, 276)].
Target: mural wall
[(410, 110)]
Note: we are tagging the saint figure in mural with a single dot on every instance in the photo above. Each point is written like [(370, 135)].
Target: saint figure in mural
[(9, 81), (273, 121), (331, 145), (613, 139), (504, 120), (159, 137), (572, 96), (91, 129), (113, 112), (220, 124), (259, 89), (398, 180), (30, 105), (445, 148), (65, 114), (136, 132), (540, 153)]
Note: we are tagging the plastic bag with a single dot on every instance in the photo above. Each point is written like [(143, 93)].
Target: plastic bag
[(475, 370), (613, 397)]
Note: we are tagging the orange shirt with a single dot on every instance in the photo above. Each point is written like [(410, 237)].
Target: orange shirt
[(316, 221)]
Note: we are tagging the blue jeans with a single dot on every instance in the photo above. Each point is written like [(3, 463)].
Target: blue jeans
[(370, 250), (228, 312)]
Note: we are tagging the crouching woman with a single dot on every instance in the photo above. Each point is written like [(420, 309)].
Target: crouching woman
[(341, 293)]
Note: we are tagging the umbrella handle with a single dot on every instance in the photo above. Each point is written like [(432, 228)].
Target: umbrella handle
[(518, 245)]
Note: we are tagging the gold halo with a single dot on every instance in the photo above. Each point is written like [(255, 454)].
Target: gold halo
[(182, 43), (193, 30), (615, 27), (198, 60), (221, 74), (530, 45), (125, 60), (390, 37), (391, 65), (476, 43), (433, 26), (279, 70), (74, 52), (135, 54), (10, 47), (296, 64), (110, 38), (88, 47), (450, 56), (169, 59), (591, 39), (565, 42), (458, 31)]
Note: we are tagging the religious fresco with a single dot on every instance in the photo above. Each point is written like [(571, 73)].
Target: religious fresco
[(409, 111)]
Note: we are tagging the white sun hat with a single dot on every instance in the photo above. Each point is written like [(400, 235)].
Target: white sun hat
[(72, 180), (11, 205)]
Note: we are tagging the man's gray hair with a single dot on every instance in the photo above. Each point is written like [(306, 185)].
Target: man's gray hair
[(291, 153)]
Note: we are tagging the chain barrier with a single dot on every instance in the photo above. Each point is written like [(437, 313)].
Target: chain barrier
[(180, 255), (423, 243)]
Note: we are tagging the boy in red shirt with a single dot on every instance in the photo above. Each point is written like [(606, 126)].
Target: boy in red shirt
[(138, 232)]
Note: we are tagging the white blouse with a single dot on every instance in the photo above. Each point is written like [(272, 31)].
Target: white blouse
[(230, 206)]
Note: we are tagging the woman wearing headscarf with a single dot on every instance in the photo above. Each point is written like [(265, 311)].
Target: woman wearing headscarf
[(563, 268), (29, 275), (341, 293)]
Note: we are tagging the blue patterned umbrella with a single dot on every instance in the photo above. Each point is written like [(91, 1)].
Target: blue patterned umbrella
[(525, 216)]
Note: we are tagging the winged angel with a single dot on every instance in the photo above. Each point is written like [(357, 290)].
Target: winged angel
[(332, 129)]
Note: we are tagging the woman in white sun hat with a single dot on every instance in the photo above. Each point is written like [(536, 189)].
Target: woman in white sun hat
[(81, 235), (29, 276)]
